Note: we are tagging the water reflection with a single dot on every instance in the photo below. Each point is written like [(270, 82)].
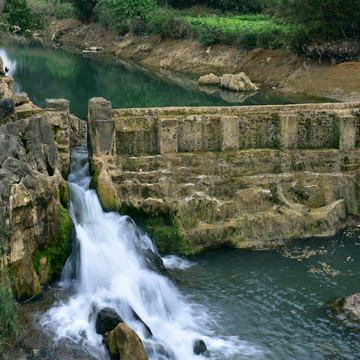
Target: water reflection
[(53, 73)]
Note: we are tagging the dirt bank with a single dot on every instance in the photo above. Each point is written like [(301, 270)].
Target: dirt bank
[(273, 68)]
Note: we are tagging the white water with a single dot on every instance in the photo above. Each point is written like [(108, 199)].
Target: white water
[(107, 269)]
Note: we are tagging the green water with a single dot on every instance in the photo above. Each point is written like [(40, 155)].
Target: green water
[(277, 300), (48, 73)]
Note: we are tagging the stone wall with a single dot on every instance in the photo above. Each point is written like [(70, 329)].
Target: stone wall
[(162, 130), (246, 176)]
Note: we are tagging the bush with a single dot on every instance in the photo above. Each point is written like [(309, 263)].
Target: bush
[(84, 9), (242, 6), (9, 321), (18, 13), (113, 13), (167, 25), (326, 20)]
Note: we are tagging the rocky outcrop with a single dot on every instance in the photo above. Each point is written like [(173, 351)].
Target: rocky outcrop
[(33, 192), (195, 178), (29, 189), (125, 344), (106, 320)]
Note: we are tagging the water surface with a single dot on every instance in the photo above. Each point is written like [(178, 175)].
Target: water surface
[(53, 73)]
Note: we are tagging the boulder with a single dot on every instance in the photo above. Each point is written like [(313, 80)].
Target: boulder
[(352, 304), (210, 79), (124, 343), (199, 347), (154, 262), (348, 311), (106, 320), (238, 82)]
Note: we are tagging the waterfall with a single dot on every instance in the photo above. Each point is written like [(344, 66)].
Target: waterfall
[(108, 268)]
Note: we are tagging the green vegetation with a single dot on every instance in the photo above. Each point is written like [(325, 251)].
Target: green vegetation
[(160, 228), (5, 233), (9, 322), (319, 28), (18, 13), (60, 9), (49, 262), (246, 31)]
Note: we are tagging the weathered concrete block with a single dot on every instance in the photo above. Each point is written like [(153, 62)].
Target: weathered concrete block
[(288, 131), (20, 98), (168, 136), (348, 130), (57, 104), (99, 109), (105, 131), (230, 133)]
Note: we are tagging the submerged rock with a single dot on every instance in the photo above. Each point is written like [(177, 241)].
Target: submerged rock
[(106, 320), (125, 343), (347, 310), (154, 262), (199, 347)]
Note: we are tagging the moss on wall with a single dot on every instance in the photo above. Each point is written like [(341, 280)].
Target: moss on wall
[(161, 228), (48, 262)]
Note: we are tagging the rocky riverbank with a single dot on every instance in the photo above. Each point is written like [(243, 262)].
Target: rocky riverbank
[(271, 68), (34, 163)]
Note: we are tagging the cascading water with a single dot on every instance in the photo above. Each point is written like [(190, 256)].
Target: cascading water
[(108, 268)]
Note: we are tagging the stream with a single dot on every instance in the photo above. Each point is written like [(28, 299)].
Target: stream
[(265, 305)]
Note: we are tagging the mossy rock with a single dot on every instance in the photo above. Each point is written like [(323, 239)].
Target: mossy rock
[(49, 261), (101, 182), (161, 228)]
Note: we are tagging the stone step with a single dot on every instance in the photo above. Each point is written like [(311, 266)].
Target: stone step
[(145, 177), (143, 163)]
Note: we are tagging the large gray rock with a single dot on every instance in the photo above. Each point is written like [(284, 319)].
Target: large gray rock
[(106, 320)]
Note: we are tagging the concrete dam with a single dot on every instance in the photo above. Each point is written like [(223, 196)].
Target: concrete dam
[(198, 177)]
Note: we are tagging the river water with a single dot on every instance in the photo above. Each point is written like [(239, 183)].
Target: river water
[(48, 73), (266, 305)]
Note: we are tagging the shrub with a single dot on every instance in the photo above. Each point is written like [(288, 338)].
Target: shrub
[(18, 13), (168, 25), (112, 13)]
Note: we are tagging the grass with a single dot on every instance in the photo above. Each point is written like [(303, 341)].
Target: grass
[(246, 31), (10, 329)]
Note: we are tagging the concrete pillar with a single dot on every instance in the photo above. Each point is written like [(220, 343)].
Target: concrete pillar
[(347, 129), (168, 136), (101, 128), (57, 105)]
